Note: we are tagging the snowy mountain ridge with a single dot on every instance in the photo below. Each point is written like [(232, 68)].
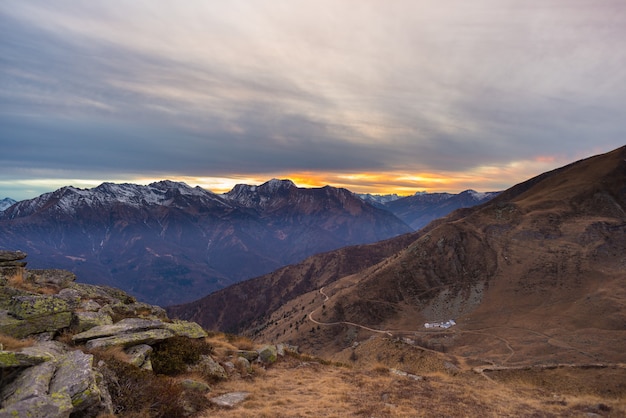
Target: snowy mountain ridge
[(6, 202), (67, 199)]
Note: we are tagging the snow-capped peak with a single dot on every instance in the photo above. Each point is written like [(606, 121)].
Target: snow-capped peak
[(68, 198), (6, 202), (273, 185)]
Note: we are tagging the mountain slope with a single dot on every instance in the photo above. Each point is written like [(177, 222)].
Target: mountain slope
[(236, 307), (168, 243), (420, 209), (535, 275)]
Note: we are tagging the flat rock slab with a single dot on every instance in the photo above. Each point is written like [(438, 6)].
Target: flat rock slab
[(230, 400), (11, 255), (17, 359), (128, 325), (127, 340)]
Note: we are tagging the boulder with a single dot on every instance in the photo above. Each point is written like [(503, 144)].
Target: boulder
[(84, 321), (138, 354), (35, 306), (138, 309), (230, 400), (47, 349), (17, 359), (268, 354), (243, 365), (195, 385), (54, 277), (32, 382), (39, 407), (90, 306), (209, 368), (66, 384), (76, 377), (21, 328), (150, 336), (247, 354), (186, 329), (12, 255), (101, 294)]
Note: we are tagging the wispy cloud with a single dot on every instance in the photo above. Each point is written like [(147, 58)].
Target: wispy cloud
[(197, 89)]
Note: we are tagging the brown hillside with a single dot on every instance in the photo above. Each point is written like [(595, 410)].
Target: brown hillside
[(535, 276), (236, 307)]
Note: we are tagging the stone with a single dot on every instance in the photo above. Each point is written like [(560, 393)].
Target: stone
[(147, 365), (209, 368), (47, 349), (243, 364), (127, 325), (84, 321), (229, 366), (101, 294), (138, 309), (55, 277), (18, 359), (58, 406), (195, 385), (230, 400), (138, 354), (150, 336), (76, 377), (247, 354), (90, 306), (405, 374), (280, 350), (31, 382), (268, 354), (12, 255), (35, 306), (186, 329), (21, 328)]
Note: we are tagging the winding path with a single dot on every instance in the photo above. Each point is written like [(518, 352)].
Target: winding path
[(481, 331)]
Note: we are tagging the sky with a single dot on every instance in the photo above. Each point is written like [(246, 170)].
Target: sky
[(376, 96)]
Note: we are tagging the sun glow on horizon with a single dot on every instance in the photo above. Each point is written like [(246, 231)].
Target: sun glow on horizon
[(402, 183)]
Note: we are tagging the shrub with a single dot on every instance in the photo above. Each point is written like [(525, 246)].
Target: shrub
[(137, 392), (172, 356)]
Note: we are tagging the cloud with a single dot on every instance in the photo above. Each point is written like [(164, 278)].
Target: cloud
[(218, 89)]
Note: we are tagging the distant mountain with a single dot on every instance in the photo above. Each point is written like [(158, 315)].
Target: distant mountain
[(534, 276), (6, 202), (420, 209), (168, 243), (378, 200)]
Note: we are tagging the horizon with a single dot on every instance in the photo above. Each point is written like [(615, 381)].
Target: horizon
[(94, 184), (420, 96)]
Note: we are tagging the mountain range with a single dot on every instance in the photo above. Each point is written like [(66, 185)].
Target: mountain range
[(169, 243), (534, 276)]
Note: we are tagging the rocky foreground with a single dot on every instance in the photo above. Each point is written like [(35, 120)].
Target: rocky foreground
[(71, 349)]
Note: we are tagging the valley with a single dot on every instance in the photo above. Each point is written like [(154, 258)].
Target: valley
[(514, 307)]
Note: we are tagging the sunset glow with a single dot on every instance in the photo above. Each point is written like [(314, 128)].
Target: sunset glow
[(422, 96)]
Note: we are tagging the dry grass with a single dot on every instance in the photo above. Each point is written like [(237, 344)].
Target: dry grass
[(112, 353), (224, 344), (297, 388), (13, 344), (17, 280)]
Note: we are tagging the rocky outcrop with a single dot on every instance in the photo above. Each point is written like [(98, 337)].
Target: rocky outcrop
[(66, 383), (51, 378), (75, 350)]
